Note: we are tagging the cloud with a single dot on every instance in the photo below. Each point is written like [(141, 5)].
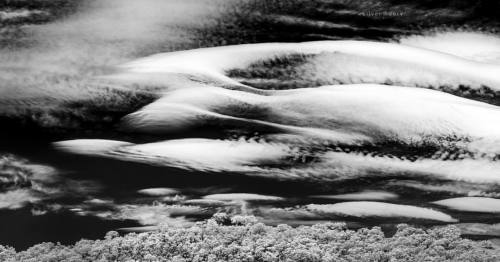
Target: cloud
[(471, 204), (58, 61), (18, 198), (379, 209)]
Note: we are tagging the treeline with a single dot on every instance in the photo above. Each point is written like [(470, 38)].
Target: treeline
[(242, 238)]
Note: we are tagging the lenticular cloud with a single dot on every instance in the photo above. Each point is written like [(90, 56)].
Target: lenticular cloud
[(472, 204), (374, 113), (319, 111), (346, 62), (380, 209)]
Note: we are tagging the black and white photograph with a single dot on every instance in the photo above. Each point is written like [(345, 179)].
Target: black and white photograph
[(249, 130)]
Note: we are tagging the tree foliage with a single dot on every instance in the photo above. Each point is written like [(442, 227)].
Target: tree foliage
[(240, 238)]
